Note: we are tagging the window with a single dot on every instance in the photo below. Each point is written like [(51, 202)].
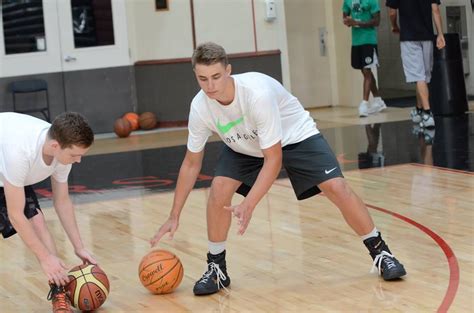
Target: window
[(23, 26), (161, 5), (92, 23)]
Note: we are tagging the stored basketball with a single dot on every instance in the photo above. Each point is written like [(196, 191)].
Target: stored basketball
[(147, 120), (88, 287), (122, 127), (160, 271), (133, 119)]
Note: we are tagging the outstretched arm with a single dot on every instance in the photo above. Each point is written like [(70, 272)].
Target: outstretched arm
[(53, 267), (65, 210), (188, 173), (187, 177)]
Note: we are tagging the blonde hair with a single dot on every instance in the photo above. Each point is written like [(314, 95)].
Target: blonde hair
[(209, 53)]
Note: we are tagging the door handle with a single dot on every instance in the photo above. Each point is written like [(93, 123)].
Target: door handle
[(69, 59)]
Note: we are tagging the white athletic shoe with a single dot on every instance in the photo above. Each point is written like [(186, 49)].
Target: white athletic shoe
[(377, 106), (429, 134), (415, 115), (427, 120), (364, 109), (417, 130)]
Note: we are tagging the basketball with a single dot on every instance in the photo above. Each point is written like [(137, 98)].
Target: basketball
[(122, 127), (133, 119), (88, 287), (147, 120), (160, 271)]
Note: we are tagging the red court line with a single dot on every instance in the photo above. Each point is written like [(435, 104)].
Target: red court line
[(452, 260), (451, 257)]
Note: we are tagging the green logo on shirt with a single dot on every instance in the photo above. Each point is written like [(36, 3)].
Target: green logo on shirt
[(225, 128)]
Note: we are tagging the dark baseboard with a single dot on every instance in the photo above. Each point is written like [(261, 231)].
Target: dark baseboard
[(403, 102)]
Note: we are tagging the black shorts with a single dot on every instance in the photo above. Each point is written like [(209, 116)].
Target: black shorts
[(308, 163), (362, 56), (31, 209)]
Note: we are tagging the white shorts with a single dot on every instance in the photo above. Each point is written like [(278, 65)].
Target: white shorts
[(417, 58)]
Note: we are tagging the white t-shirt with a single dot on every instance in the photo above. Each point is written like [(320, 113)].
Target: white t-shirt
[(21, 144), (262, 113)]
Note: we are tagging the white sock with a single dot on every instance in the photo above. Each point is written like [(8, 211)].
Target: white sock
[(378, 98), (373, 233), (216, 247), (365, 102)]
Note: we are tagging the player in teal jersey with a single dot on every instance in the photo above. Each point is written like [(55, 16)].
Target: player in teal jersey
[(364, 16)]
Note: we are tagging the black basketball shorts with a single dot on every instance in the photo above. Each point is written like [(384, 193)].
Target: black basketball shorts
[(308, 163), (32, 208), (364, 56)]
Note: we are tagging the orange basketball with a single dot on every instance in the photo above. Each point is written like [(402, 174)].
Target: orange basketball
[(147, 120), (122, 127), (133, 119), (160, 271), (88, 287)]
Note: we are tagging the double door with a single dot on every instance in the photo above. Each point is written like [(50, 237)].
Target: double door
[(48, 36)]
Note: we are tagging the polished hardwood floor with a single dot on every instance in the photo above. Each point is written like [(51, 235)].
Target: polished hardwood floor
[(295, 256)]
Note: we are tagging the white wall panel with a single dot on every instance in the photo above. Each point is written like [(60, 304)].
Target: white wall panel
[(155, 35), (272, 35), (225, 22), (310, 71)]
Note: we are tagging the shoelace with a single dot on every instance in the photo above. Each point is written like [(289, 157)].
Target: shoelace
[(213, 267), (384, 256), (58, 298)]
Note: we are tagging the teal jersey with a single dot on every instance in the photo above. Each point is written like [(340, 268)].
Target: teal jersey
[(362, 11)]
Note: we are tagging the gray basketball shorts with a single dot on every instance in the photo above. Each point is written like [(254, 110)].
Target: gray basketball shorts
[(32, 208), (417, 59), (308, 163)]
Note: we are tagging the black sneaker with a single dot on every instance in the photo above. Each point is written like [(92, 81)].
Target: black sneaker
[(388, 266), (215, 278)]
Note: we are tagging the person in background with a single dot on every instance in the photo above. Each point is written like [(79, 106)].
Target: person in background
[(363, 16), (416, 43)]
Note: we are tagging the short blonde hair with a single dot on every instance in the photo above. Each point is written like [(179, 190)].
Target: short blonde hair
[(209, 53)]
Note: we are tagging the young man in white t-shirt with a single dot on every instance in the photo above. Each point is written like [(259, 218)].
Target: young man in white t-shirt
[(263, 127), (32, 150)]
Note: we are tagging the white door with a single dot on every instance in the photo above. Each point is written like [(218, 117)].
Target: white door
[(93, 34), (308, 52), (29, 38), (50, 36)]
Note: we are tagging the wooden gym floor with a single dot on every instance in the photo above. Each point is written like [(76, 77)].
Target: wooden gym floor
[(295, 256)]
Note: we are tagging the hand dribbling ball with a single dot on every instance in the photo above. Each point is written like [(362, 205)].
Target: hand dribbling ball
[(88, 287), (160, 271)]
